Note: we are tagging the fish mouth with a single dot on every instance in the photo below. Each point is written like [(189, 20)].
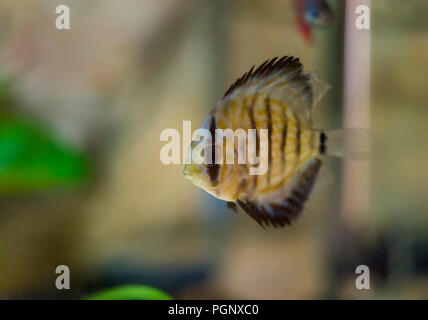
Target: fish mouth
[(186, 171)]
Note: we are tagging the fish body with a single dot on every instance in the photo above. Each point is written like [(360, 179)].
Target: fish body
[(277, 96), (291, 142)]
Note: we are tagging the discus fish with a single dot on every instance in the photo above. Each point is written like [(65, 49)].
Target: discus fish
[(277, 96)]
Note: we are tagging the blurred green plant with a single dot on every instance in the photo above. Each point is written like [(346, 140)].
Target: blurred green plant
[(31, 160), (130, 292)]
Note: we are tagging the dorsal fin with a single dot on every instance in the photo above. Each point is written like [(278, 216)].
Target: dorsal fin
[(283, 79), (268, 70)]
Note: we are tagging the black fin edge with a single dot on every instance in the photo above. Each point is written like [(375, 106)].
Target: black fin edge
[(286, 63)]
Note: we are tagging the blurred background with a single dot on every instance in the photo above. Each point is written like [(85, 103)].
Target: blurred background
[(81, 182)]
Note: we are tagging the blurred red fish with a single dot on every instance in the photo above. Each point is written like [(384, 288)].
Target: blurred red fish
[(312, 13)]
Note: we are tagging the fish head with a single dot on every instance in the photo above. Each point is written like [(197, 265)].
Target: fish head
[(199, 170), (201, 167)]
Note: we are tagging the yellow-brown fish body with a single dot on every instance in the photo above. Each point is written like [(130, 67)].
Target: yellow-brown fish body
[(277, 96), (290, 141)]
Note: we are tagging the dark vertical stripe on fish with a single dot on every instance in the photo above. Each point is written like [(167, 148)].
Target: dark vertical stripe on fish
[(213, 168), (269, 127), (283, 139), (323, 139), (253, 126), (298, 142)]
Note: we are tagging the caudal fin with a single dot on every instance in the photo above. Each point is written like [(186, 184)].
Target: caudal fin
[(351, 143)]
